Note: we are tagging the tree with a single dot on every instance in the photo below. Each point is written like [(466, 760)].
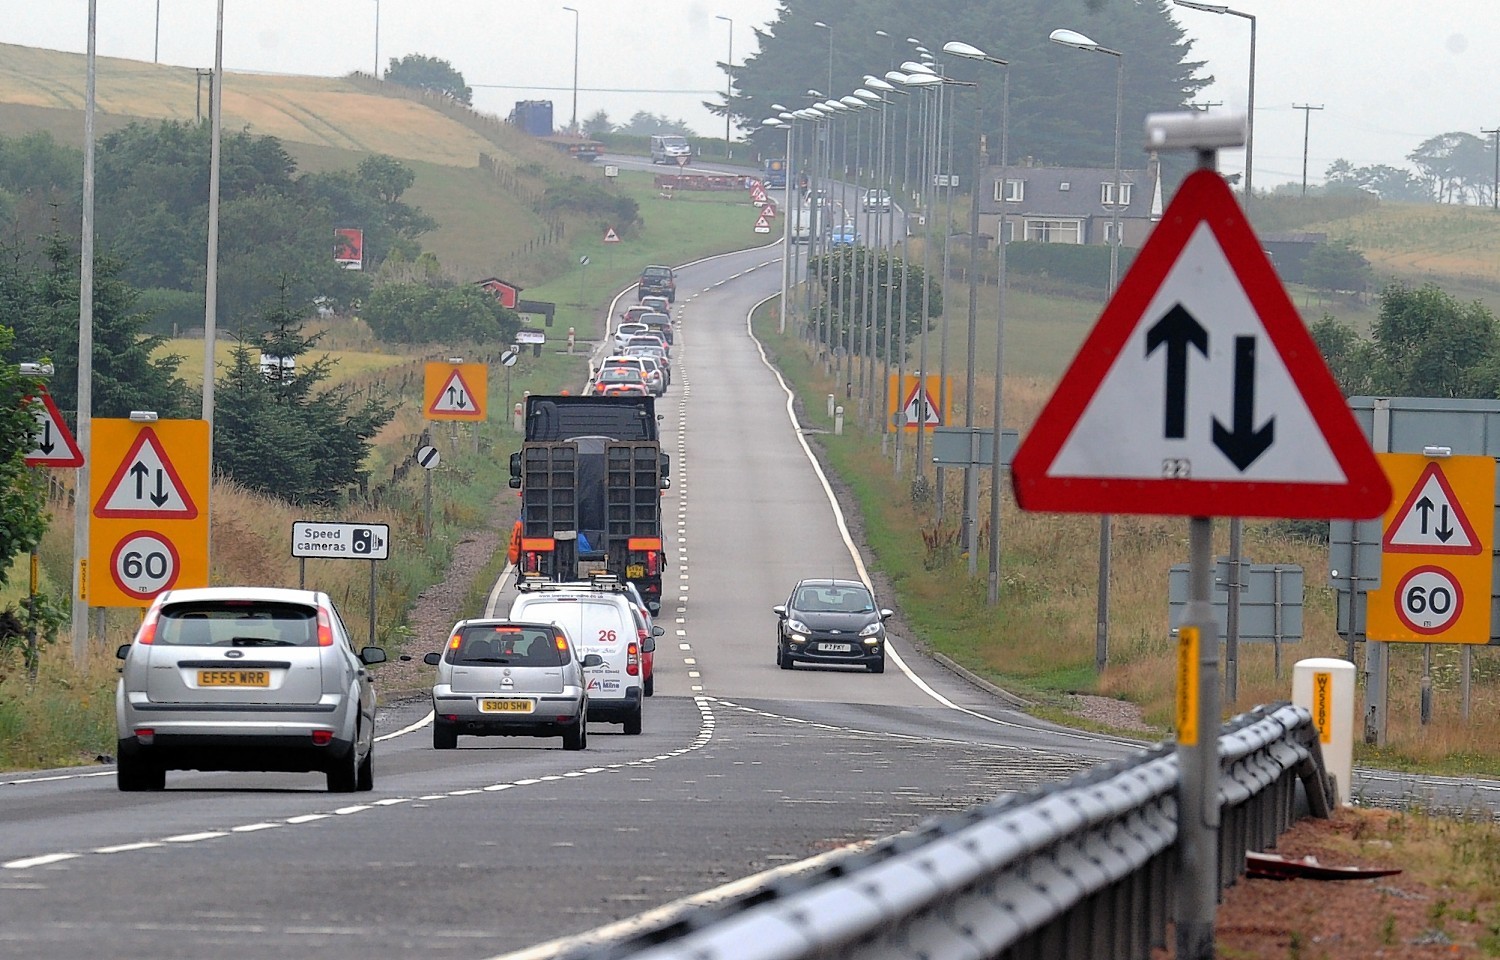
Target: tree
[(850, 263), (644, 124), (1429, 345), (437, 311), (1457, 166), (597, 123), (276, 433), (429, 73), (1337, 267), (1384, 181), (23, 516)]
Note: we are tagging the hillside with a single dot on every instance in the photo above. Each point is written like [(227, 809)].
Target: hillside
[(325, 123)]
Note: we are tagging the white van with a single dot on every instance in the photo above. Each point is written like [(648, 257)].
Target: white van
[(667, 147), (602, 624)]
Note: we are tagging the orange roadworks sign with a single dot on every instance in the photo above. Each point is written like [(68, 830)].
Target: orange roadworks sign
[(1436, 565), (455, 391), (148, 495), (915, 402)]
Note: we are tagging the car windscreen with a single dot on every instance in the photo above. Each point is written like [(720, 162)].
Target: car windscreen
[(833, 599), (507, 644), (233, 623)]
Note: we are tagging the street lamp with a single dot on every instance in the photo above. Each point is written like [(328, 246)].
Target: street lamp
[(729, 82), (823, 26), (1071, 38), (885, 178), (1250, 96), (786, 219), (971, 492), (377, 33), (573, 126)]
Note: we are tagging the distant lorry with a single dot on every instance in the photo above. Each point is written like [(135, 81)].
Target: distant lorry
[(775, 172), (535, 118), (591, 473)]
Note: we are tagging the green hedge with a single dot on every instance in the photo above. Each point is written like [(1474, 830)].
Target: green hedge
[(1066, 263)]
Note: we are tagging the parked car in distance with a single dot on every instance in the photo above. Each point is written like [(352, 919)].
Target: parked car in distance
[(244, 678), (660, 304), (621, 382), (831, 622), (877, 200), (499, 678), (657, 281), (598, 623)]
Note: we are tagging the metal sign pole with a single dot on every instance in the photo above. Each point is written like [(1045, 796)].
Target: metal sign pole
[(372, 600)]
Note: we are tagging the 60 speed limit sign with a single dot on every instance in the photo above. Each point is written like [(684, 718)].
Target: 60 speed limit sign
[(1428, 599), (144, 564)]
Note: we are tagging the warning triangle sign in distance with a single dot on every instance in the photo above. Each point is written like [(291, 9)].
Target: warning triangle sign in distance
[(146, 485), (1432, 520), (1199, 392)]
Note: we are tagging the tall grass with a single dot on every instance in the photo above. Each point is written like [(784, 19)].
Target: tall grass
[(1039, 641)]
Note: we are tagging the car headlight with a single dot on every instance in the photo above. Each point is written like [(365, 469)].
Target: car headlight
[(871, 630), (797, 626)]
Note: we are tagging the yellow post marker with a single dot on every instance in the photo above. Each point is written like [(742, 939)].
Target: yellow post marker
[(1188, 639)]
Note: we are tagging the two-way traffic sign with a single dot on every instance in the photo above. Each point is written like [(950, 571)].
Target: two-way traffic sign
[(149, 499), (53, 444), (1199, 392), (455, 391)]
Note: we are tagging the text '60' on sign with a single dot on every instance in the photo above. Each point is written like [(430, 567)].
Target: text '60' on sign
[(1199, 391)]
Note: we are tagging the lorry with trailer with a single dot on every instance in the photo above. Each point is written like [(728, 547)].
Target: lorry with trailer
[(591, 473), (535, 118), (775, 172)]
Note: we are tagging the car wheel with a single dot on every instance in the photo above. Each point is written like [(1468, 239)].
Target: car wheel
[(878, 666), (343, 776), (784, 657), (365, 779), (633, 722), (576, 737), (649, 688), (443, 736), (135, 773)]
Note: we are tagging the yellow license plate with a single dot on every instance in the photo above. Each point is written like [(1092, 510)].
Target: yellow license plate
[(635, 571), (234, 678), (505, 706)]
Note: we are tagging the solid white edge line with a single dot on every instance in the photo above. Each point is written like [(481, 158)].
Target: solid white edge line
[(405, 730)]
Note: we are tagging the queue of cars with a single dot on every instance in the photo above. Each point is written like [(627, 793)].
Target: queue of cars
[(640, 357)]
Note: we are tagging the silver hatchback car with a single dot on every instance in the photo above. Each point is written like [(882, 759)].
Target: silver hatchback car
[(245, 678), (508, 679)]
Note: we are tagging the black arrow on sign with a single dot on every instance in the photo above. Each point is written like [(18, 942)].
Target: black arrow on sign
[(1425, 506), (46, 446), (160, 496), (459, 401), (1178, 330), (139, 471), (1244, 445), (1445, 532)]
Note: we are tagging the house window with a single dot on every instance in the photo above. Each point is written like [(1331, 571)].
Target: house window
[(1109, 232), (1054, 231), (1011, 191), (1107, 194), (1007, 231)]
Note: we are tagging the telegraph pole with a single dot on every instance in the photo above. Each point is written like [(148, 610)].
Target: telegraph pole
[(1307, 110)]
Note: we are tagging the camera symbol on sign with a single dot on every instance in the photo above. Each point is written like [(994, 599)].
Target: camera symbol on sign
[(365, 541)]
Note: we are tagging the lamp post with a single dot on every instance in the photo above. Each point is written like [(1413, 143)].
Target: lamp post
[(1071, 38), (920, 75), (823, 26), (871, 273), (573, 125), (377, 35), (786, 226), (971, 477), (729, 82), (1250, 95), (885, 179)]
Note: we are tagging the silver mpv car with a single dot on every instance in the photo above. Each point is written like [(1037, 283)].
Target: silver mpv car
[(245, 678), (507, 679)]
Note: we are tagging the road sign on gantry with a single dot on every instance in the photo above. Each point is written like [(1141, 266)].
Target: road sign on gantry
[(52, 444), (455, 391), (1437, 564), (1199, 391), (148, 494)]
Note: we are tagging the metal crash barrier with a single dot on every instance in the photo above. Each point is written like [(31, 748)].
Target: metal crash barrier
[(1081, 870)]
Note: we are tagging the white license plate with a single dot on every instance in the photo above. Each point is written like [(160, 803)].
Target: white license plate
[(836, 647)]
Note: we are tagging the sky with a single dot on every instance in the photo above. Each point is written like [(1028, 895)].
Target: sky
[(1388, 75)]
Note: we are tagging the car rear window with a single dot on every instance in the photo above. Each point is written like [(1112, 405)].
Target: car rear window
[(508, 644), (230, 623), (658, 273)]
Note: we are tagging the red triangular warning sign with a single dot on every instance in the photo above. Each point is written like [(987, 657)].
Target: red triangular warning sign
[(52, 444), (920, 410), (1432, 520), (1199, 391), (146, 485), (455, 398), (610, 236), (767, 210)]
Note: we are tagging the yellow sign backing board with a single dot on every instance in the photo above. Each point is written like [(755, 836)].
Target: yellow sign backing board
[(918, 400), (148, 502), (1437, 563), (455, 391)]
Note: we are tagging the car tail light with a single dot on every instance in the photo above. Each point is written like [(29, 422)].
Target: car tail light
[(451, 717), (145, 735), (652, 563), (147, 633), (325, 628), (633, 659), (322, 738)]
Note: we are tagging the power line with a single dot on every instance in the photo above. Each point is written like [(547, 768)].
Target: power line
[(1307, 110)]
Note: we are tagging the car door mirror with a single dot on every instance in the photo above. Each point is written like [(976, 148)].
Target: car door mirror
[(649, 645), (658, 631), (592, 660), (372, 655), (779, 610), (887, 614), (433, 659), (122, 651)]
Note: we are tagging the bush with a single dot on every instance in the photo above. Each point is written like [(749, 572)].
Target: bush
[(417, 312), (1085, 265), (171, 311), (587, 197)]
